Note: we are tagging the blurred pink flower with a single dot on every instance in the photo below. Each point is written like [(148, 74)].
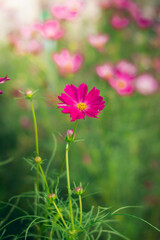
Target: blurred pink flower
[(98, 41), (67, 63), (78, 102), (51, 29), (3, 80), (122, 83), (143, 22), (34, 47), (121, 3), (68, 10), (105, 71), (146, 84), (133, 9), (119, 22), (126, 67), (105, 4)]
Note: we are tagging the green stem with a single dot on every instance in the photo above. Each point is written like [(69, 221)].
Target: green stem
[(59, 175), (44, 178), (74, 130), (35, 127), (80, 206), (60, 215), (69, 188)]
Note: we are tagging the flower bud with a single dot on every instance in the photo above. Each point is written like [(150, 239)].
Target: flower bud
[(52, 196), (70, 136), (38, 159), (29, 94), (78, 190)]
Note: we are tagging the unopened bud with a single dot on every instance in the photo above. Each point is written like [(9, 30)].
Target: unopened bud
[(70, 137), (78, 190), (38, 159), (29, 94), (52, 196)]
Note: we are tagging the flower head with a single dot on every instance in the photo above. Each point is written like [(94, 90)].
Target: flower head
[(119, 22), (123, 84), (105, 71), (51, 29), (146, 84), (67, 11), (2, 80), (67, 63), (78, 102), (98, 41), (126, 68)]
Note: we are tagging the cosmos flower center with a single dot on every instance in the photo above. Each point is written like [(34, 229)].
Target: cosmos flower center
[(81, 106), (121, 84), (68, 67)]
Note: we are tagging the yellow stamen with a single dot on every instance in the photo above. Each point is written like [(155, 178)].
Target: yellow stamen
[(121, 84), (68, 67), (81, 106)]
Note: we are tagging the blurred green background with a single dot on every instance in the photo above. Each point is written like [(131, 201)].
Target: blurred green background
[(119, 157)]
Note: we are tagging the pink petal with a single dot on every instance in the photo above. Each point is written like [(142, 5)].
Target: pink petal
[(66, 99), (71, 90), (82, 92)]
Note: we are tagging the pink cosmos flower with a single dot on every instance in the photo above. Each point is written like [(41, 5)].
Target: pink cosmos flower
[(122, 83), (2, 80), (143, 22), (67, 11), (51, 29), (119, 22), (126, 67), (105, 71), (66, 62), (133, 9), (146, 84), (78, 102), (98, 41)]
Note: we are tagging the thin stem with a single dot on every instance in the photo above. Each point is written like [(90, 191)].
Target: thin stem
[(80, 206), (69, 188), (44, 178), (60, 215), (59, 175), (74, 130), (35, 128)]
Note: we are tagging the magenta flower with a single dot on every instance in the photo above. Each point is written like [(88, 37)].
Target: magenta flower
[(78, 102), (52, 30), (146, 84), (98, 41), (119, 22), (122, 83), (67, 11), (143, 23), (66, 62), (105, 71), (2, 80)]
